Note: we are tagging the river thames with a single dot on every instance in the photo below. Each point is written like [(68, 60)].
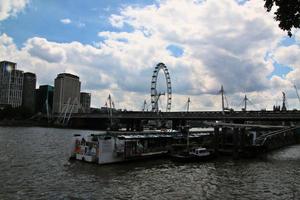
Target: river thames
[(34, 165)]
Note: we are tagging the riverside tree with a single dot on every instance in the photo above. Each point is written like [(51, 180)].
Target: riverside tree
[(287, 13)]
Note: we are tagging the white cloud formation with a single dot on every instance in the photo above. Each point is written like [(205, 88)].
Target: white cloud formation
[(11, 7), (66, 21), (223, 42), (41, 48), (116, 21)]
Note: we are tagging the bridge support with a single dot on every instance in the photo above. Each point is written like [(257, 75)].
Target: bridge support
[(178, 123), (223, 136), (235, 143), (242, 138), (216, 139)]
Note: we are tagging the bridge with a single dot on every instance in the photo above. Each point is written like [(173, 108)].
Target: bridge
[(135, 118), (198, 115)]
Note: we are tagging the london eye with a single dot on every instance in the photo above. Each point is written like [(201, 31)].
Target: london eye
[(155, 95)]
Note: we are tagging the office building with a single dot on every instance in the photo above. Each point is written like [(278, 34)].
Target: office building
[(66, 97), (85, 102), (44, 99), (28, 96), (11, 84)]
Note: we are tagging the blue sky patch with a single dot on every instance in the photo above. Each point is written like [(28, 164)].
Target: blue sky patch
[(175, 50), (287, 41), (280, 70), (43, 19)]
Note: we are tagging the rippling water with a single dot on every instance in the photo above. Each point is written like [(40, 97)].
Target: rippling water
[(34, 165)]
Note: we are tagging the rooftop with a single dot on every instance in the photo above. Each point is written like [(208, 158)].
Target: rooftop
[(63, 75)]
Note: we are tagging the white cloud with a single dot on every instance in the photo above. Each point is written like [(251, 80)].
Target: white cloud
[(224, 43), (11, 7), (116, 21), (41, 48), (66, 21), (78, 24)]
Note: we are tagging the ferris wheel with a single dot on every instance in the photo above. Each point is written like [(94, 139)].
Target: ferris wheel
[(156, 95)]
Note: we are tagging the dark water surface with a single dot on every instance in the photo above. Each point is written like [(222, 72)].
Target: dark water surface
[(34, 165)]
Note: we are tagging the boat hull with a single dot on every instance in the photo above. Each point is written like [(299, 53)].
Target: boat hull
[(189, 158)]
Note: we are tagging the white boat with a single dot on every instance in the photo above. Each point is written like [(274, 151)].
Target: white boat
[(105, 148), (195, 154), (200, 152)]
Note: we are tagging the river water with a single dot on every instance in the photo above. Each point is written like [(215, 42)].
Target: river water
[(34, 165)]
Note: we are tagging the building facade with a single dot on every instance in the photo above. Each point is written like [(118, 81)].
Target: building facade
[(44, 99), (11, 84), (29, 94), (66, 97), (85, 102)]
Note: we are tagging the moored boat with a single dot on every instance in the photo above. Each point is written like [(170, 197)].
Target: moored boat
[(195, 154), (108, 148), (120, 146)]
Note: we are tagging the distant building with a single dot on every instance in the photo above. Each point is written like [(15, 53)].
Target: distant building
[(44, 99), (28, 96), (85, 102), (11, 84), (66, 96)]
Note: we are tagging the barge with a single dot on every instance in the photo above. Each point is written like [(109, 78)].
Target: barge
[(113, 147)]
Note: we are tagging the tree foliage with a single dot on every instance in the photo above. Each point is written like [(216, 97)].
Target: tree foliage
[(287, 13), (15, 113)]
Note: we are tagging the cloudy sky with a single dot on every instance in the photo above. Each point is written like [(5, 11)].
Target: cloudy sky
[(114, 45)]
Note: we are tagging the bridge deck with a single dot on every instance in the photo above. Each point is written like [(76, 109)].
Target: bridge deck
[(201, 115)]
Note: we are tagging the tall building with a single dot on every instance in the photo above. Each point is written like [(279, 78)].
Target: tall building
[(44, 99), (85, 102), (11, 84), (28, 96), (66, 96)]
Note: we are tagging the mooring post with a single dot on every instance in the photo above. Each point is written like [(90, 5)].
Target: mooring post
[(216, 139)]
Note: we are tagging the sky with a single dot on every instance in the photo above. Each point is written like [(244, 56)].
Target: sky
[(114, 46)]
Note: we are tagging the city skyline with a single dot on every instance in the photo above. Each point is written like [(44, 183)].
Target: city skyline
[(114, 47)]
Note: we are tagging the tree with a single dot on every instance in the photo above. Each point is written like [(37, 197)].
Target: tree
[(287, 13)]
